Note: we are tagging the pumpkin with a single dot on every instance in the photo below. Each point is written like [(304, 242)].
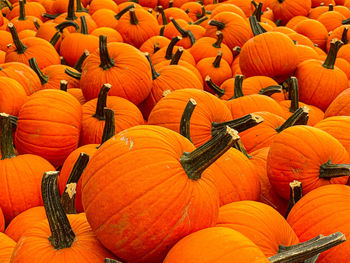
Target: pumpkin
[(12, 96), (174, 12), (122, 66), (6, 247), (300, 153), (60, 116), (105, 18), (228, 7), (35, 9), (71, 236), (332, 19), (287, 9), (340, 105), (22, 173), (112, 34), (24, 21), (105, 4), (183, 169), (5, 39), (194, 10), (314, 30), (153, 44)]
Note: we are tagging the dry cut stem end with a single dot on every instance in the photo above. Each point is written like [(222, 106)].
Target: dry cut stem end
[(102, 102), (6, 144), (218, 91), (295, 194), (299, 117), (186, 119), (64, 85)]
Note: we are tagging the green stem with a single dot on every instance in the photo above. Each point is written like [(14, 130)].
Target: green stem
[(34, 65), (78, 66), (49, 16), (217, 60), (270, 90), (186, 119), (332, 54), (125, 10), (176, 58), (109, 128), (220, 37), (53, 41), (75, 75), (109, 260), (182, 31), (201, 20), (8, 4), (344, 37), (170, 48), (102, 102), (240, 124), (218, 91), (329, 170), (20, 47), (155, 74), (7, 150), (240, 147), (80, 7), (330, 7), (161, 12), (346, 21), (195, 162), (133, 18), (171, 3), (219, 25), (106, 61), (36, 24), (295, 194), (294, 94), (22, 11), (258, 12), (294, 119), (63, 85), (238, 90), (201, 14), (257, 29), (68, 196), (70, 12), (83, 27), (156, 47), (62, 235)]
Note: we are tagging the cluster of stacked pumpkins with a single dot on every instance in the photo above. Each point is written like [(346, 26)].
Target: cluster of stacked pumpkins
[(174, 131)]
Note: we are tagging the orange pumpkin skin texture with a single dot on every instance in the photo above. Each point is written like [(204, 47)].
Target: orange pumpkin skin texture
[(24, 221), (252, 103), (340, 106), (314, 214), (267, 194), (5, 39), (226, 246), (189, 206), (262, 55), (260, 223), (130, 76), (56, 73), (306, 53), (236, 31), (35, 246), (126, 115), (106, 4), (105, 18), (12, 96), (41, 134), (301, 39), (2, 221), (337, 126), (331, 20), (23, 74), (294, 21), (149, 44), (237, 179), (78, 94), (112, 34), (298, 153), (314, 30), (168, 111), (285, 10), (6, 247)]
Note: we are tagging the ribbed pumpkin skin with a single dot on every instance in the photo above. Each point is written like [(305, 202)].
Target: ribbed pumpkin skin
[(118, 216), (215, 244), (126, 115), (24, 221), (56, 73), (297, 154), (272, 54), (130, 77), (168, 111), (324, 211), (237, 180), (49, 125), (34, 245), (289, 8), (254, 84), (20, 183), (12, 96), (260, 223), (340, 106), (6, 248)]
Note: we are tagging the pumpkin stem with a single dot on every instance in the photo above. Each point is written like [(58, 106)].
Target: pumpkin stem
[(68, 196), (53, 41), (63, 62), (236, 51), (22, 11), (308, 249), (183, 32), (75, 75), (300, 114), (195, 162), (186, 119), (8, 4), (7, 150), (170, 48), (20, 47), (294, 94), (161, 12), (49, 16), (258, 12), (176, 58), (109, 128), (80, 7), (156, 47), (65, 24), (83, 27), (330, 7), (36, 24), (217, 90), (63, 85), (13, 120), (332, 54), (109, 260), (125, 10), (217, 60), (102, 102), (70, 12), (171, 3), (78, 66), (346, 21), (199, 21), (62, 235), (219, 25), (133, 18), (270, 90), (218, 42), (240, 124), (295, 194), (344, 37), (238, 89), (240, 147), (331, 170), (257, 29), (106, 61), (155, 74), (280, 1), (34, 65), (202, 13)]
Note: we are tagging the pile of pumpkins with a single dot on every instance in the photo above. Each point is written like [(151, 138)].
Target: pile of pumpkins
[(174, 131)]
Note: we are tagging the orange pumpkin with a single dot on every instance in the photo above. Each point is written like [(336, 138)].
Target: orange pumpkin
[(12, 96), (340, 105), (7, 246)]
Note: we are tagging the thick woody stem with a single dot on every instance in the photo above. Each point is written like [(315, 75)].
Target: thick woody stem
[(186, 119)]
